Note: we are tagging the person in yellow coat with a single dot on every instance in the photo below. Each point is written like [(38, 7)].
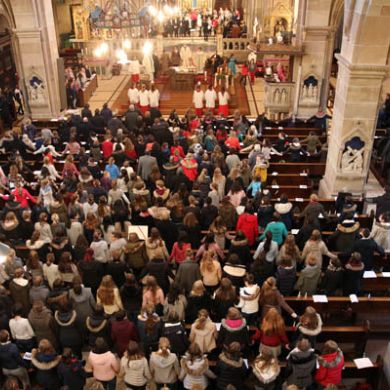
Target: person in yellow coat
[(260, 169)]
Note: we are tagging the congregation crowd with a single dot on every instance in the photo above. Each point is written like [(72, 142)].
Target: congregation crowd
[(196, 301)]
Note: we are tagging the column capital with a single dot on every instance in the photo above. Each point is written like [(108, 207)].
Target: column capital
[(368, 71), (27, 33)]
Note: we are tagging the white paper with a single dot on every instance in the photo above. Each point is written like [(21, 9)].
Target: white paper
[(303, 174), (294, 231), (303, 186), (275, 186), (140, 230), (280, 128), (299, 199), (321, 216), (353, 298), (386, 274), (369, 275), (27, 356), (246, 363), (218, 326), (320, 298), (268, 128), (274, 173), (363, 363)]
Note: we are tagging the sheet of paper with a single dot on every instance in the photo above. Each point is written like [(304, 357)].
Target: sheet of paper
[(363, 363), (280, 128), (386, 274), (294, 231), (303, 186), (218, 326), (268, 128), (298, 199), (321, 216), (369, 275), (275, 186), (353, 298), (246, 363), (320, 298), (303, 174), (274, 173), (27, 356)]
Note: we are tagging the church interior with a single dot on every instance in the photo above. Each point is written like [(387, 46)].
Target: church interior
[(195, 194)]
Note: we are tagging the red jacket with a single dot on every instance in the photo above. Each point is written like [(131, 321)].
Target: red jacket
[(121, 333), (248, 224), (233, 143), (179, 255), (107, 148), (270, 340), (330, 369), (22, 197)]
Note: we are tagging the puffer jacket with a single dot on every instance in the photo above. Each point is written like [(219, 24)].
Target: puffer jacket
[(164, 369), (309, 277), (195, 372), (177, 337), (247, 223), (300, 367), (330, 368), (381, 234), (230, 371), (233, 330), (46, 366), (97, 326), (345, 236), (69, 333), (285, 278)]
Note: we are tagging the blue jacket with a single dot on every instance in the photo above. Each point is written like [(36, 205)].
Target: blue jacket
[(10, 356), (279, 232)]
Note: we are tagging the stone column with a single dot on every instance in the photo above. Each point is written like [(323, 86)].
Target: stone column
[(362, 68), (355, 112), (35, 39)]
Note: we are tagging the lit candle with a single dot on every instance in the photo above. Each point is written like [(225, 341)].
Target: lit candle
[(226, 80)]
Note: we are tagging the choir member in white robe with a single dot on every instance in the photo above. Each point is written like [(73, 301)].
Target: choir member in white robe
[(144, 101), (210, 96), (197, 100), (154, 97), (133, 95), (148, 64), (135, 70)]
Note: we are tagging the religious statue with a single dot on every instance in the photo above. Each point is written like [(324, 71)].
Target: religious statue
[(255, 24), (352, 158), (280, 27), (36, 91), (186, 57), (175, 57)]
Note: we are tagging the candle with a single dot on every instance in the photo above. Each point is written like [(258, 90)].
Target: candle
[(226, 81), (205, 75), (215, 80)]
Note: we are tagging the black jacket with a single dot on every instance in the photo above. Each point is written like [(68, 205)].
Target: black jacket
[(367, 247), (196, 303), (228, 334), (69, 332), (229, 371), (159, 268), (332, 281), (72, 374), (352, 279), (10, 356), (177, 337)]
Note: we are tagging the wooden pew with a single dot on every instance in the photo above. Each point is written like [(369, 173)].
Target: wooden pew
[(314, 169)]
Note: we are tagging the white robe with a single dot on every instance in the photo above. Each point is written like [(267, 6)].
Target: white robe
[(133, 95), (144, 98), (198, 98), (186, 56), (199, 60), (135, 67), (210, 97), (148, 63), (154, 98), (223, 98)]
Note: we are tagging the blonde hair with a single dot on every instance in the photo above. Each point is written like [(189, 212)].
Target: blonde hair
[(273, 323)]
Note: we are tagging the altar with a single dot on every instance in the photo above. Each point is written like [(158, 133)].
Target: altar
[(182, 78)]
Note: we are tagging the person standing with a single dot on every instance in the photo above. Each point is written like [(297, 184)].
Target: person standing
[(144, 99), (135, 69), (197, 99), (223, 99), (154, 97), (18, 96), (210, 97), (133, 95)]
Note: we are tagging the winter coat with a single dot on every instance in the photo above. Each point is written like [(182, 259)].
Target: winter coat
[(235, 272), (149, 338), (230, 371), (330, 368), (97, 326), (92, 273), (366, 247), (314, 210), (352, 278), (187, 274), (69, 332), (300, 367), (136, 256), (266, 375), (159, 268), (44, 325), (177, 336), (285, 211), (247, 223), (278, 230), (332, 281), (83, 303), (72, 374), (345, 236), (229, 216), (10, 356), (242, 250), (307, 282), (46, 366), (204, 338), (381, 234), (164, 369), (285, 279), (194, 304), (233, 330), (264, 215), (121, 333), (195, 372), (310, 334), (177, 307), (135, 372), (19, 290)]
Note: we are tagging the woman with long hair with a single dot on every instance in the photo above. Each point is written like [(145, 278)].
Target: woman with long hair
[(197, 299), (310, 325), (219, 229), (316, 247), (195, 369), (164, 365), (266, 369), (272, 334), (224, 298), (90, 224), (193, 229), (289, 249), (134, 368), (155, 246), (270, 297), (108, 296), (209, 244), (149, 327), (153, 294), (175, 302), (220, 180), (204, 332), (211, 271), (236, 193), (179, 249)]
